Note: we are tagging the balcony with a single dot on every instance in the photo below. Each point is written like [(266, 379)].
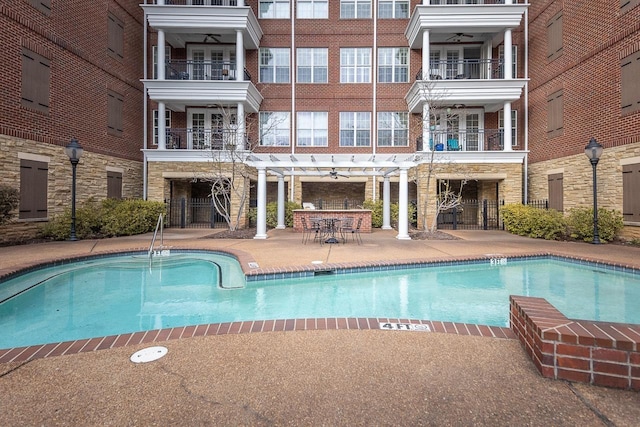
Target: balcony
[(200, 2), (482, 69), (202, 70), (203, 139), (464, 140), (466, 2)]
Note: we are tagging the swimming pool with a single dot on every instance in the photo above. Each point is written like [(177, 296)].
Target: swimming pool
[(120, 294)]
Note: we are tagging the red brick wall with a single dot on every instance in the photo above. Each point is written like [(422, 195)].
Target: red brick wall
[(74, 38), (606, 354), (595, 37)]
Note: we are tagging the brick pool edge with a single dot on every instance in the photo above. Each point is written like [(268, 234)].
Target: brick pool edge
[(599, 353)]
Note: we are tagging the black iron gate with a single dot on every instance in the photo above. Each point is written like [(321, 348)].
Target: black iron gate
[(472, 215), (193, 213)]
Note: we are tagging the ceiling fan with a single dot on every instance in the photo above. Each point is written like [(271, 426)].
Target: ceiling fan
[(459, 36), (211, 37), (333, 174)]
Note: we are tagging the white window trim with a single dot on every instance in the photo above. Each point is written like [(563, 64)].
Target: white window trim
[(394, 66), (355, 66), (356, 128), (275, 3), (395, 127), (167, 114), (313, 9), (276, 127), (167, 58), (393, 8), (313, 66), (355, 3), (514, 125), (274, 66), (313, 129), (514, 56)]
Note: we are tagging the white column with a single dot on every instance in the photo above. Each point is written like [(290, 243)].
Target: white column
[(261, 226), (426, 127), (426, 56), (386, 204), (508, 54), (240, 124), (160, 51), (162, 131), (281, 224), (403, 207), (239, 56), (506, 137)]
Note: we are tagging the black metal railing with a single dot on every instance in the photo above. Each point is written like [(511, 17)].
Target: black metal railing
[(464, 140), (472, 215), (201, 2), (467, 2), (188, 69), (193, 213), (203, 139), (462, 69), (337, 204), (539, 204)]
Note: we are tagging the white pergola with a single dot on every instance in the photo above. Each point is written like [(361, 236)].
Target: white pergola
[(347, 165)]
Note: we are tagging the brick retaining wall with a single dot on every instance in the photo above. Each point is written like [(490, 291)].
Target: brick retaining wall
[(600, 353)]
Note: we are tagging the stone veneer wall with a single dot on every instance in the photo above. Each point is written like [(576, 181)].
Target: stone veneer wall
[(605, 354), (508, 176), (160, 175), (91, 181), (577, 179)]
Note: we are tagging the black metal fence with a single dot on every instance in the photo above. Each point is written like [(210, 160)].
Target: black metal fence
[(472, 215), (540, 204), (193, 213), (337, 204)]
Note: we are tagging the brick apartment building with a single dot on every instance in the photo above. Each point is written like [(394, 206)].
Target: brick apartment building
[(71, 70), (319, 99)]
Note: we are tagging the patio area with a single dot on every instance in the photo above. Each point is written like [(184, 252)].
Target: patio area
[(310, 377)]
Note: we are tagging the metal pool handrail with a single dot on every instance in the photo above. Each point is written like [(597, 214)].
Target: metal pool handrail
[(160, 225)]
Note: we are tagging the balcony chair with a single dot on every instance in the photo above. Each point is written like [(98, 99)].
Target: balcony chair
[(453, 145)]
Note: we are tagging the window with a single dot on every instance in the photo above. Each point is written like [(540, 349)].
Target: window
[(167, 124), (393, 65), (167, 59), (514, 57), (355, 129), (36, 72), (274, 9), (33, 189), (114, 185), (115, 37), (630, 191), (43, 6), (274, 65), (556, 192), (275, 128), (115, 103), (312, 65), (514, 125), (554, 37), (389, 9), (555, 111), (355, 65), (626, 5), (630, 85), (355, 9), (393, 129), (313, 129), (313, 9)]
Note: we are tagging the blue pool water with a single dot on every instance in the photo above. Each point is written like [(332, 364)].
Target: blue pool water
[(114, 295)]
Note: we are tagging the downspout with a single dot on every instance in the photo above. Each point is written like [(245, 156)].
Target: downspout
[(526, 106), (374, 75), (144, 109), (294, 74)]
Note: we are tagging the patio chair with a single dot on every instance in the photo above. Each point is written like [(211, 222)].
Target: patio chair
[(355, 232), (453, 145), (346, 226), (307, 231)]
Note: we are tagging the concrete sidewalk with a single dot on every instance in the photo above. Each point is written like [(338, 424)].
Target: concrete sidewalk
[(342, 377)]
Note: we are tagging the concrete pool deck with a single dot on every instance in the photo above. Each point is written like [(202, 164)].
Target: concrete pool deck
[(319, 377)]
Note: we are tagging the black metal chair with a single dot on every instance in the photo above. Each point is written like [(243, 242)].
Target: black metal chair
[(355, 232), (307, 231)]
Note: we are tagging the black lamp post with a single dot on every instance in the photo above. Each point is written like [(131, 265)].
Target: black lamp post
[(593, 150), (73, 150)]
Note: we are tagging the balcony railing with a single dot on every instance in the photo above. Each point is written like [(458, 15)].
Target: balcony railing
[(201, 2), (483, 69), (446, 2), (464, 140), (187, 69), (203, 139)]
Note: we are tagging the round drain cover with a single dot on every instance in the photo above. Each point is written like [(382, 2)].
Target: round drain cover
[(148, 354)]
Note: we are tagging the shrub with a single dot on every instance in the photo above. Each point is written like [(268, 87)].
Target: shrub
[(377, 214), (129, 217), (580, 222), (533, 222), (272, 214), (112, 217), (9, 201)]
